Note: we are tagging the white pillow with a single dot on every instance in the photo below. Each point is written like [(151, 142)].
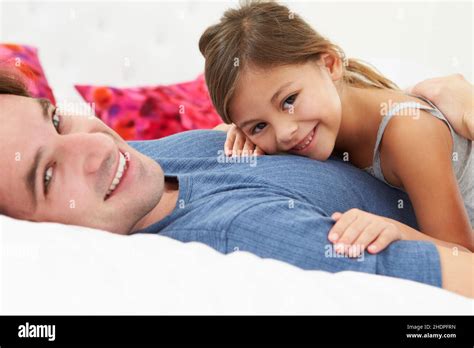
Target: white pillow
[(57, 269)]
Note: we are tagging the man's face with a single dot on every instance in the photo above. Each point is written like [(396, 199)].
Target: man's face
[(62, 171)]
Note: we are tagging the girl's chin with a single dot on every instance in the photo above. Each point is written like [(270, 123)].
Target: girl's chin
[(318, 157), (321, 153)]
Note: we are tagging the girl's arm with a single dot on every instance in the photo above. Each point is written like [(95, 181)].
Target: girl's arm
[(408, 233), (416, 155), (457, 265), (357, 230)]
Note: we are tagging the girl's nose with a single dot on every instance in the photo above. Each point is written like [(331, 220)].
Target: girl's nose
[(286, 133)]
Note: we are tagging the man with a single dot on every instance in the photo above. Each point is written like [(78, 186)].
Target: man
[(76, 170)]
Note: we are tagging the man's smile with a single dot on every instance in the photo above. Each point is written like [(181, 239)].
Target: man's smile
[(121, 168)]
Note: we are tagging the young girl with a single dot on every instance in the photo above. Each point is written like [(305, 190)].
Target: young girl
[(288, 89)]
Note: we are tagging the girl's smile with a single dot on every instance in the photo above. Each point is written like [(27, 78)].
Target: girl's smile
[(305, 145)]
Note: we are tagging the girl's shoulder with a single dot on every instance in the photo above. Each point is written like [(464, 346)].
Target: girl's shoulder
[(408, 118), (411, 135), (411, 128)]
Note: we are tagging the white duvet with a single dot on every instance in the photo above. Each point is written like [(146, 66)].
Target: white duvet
[(49, 268)]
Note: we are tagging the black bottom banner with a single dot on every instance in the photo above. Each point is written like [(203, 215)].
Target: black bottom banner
[(262, 330)]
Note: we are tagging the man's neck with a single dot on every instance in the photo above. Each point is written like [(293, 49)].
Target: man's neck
[(164, 207)]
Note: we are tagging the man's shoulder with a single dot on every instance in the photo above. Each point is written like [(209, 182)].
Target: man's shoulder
[(194, 143)]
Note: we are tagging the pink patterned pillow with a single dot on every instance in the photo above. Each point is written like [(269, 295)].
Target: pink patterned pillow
[(24, 59), (145, 113)]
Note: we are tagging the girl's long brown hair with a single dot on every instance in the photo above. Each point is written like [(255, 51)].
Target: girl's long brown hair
[(265, 34)]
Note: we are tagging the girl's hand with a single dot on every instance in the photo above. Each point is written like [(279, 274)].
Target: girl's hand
[(237, 144), (357, 230), (453, 96)]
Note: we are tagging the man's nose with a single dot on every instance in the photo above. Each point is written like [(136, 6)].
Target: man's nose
[(91, 150)]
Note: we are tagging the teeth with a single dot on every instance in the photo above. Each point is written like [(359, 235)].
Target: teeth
[(306, 143), (121, 168)]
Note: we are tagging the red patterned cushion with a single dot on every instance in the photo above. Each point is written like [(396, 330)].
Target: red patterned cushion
[(25, 59), (145, 113)]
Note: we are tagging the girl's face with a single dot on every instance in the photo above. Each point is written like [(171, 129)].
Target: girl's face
[(293, 109)]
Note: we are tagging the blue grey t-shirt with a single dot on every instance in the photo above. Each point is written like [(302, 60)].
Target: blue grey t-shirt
[(280, 207)]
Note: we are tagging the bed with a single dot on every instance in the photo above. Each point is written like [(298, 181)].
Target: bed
[(50, 268)]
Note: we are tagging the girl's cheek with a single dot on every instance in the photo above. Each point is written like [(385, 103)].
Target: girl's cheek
[(311, 110), (266, 143)]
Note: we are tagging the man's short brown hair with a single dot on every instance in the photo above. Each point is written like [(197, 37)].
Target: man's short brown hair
[(11, 82)]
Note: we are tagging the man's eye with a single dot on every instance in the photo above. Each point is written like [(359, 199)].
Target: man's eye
[(48, 175), (289, 102), (258, 128), (56, 120)]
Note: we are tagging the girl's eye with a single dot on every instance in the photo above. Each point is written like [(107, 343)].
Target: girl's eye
[(47, 178), (289, 101), (56, 120), (258, 128)]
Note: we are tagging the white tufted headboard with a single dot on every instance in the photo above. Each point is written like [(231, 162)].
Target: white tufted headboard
[(131, 43)]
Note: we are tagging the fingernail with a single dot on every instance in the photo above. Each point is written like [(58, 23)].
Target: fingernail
[(373, 248), (332, 236)]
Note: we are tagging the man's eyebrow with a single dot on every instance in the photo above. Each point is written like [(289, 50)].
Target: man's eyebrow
[(45, 105), (277, 93), (30, 178), (32, 175)]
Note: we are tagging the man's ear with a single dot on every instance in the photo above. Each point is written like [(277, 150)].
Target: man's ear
[(333, 64)]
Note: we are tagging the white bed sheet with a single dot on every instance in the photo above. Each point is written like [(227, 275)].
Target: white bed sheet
[(49, 268)]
